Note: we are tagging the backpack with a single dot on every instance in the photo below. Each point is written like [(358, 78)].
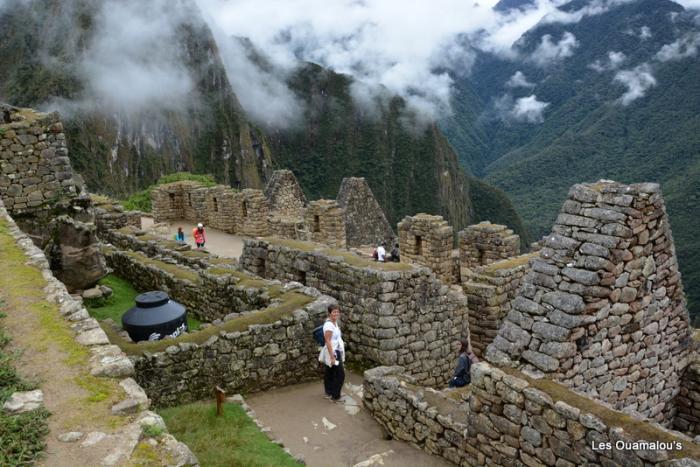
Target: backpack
[(318, 336)]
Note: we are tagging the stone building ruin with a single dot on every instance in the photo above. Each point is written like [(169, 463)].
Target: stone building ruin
[(427, 240), (366, 222)]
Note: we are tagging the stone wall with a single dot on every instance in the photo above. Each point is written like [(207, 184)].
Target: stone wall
[(393, 313), (325, 221), (490, 290), (35, 170), (252, 210), (427, 240), (507, 419), (365, 221), (208, 295), (485, 243), (688, 400), (285, 195), (220, 206), (250, 358), (603, 309)]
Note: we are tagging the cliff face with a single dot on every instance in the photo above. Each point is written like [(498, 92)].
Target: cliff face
[(118, 151)]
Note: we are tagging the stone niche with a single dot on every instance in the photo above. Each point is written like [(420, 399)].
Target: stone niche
[(427, 240), (325, 223), (485, 243), (365, 221), (603, 310)]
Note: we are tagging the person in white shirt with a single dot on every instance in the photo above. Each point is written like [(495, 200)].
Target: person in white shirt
[(333, 355), (381, 252)]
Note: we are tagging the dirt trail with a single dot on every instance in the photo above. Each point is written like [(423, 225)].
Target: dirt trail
[(49, 357), (327, 433), (218, 242)]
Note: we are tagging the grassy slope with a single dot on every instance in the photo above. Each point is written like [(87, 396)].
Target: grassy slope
[(231, 440)]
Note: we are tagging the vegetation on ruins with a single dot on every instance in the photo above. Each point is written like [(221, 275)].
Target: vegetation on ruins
[(141, 200), (22, 435), (229, 440)]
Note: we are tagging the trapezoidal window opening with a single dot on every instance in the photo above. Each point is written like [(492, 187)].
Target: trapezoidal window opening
[(216, 204), (419, 245), (245, 208), (317, 224)]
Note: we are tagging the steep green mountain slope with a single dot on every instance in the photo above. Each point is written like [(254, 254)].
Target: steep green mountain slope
[(586, 133), (410, 166), (42, 43)]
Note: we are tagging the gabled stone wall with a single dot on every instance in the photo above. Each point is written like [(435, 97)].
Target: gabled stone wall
[(365, 221), (285, 195), (392, 313), (603, 309), (427, 240)]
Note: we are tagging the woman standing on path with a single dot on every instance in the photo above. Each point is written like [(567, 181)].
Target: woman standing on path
[(333, 355)]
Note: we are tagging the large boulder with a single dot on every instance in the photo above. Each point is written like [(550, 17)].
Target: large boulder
[(74, 255)]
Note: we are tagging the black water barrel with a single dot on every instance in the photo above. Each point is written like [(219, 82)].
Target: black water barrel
[(154, 317)]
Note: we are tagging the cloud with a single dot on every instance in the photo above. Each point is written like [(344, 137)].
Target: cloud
[(548, 52), (519, 80), (690, 4), (592, 8), (524, 109), (411, 49), (637, 80), (614, 60), (686, 46)]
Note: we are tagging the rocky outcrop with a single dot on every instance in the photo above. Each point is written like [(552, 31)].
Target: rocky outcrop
[(74, 253)]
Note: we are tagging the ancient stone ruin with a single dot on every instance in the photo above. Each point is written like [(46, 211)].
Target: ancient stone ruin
[(427, 240), (366, 223), (486, 243)]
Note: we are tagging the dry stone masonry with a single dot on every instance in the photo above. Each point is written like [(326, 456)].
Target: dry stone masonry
[(688, 401), (427, 240), (35, 170), (325, 221), (285, 194), (506, 419), (603, 309), (485, 243), (490, 291), (392, 313), (366, 223)]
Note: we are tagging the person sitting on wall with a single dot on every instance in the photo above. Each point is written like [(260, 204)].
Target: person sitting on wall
[(199, 235), (395, 256), (461, 376), (180, 235), (381, 252)]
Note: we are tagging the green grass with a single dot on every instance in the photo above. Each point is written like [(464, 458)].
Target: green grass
[(122, 298), (21, 436), (230, 440)]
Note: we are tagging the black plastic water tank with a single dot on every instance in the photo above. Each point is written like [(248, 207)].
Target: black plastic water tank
[(154, 317)]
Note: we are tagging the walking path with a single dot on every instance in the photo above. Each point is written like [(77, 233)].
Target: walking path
[(336, 434), (218, 242)]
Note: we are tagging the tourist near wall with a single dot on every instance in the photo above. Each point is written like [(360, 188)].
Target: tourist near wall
[(603, 309), (392, 313), (506, 418), (258, 351)]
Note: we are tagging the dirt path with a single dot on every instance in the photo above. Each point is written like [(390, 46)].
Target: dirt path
[(50, 357), (218, 242), (326, 433)]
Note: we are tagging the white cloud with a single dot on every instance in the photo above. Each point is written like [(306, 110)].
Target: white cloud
[(613, 61), (519, 80), (524, 109), (548, 52), (637, 80), (644, 32), (690, 4), (593, 8), (404, 47), (686, 46)]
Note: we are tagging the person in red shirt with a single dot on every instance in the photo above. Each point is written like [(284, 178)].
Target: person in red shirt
[(199, 235)]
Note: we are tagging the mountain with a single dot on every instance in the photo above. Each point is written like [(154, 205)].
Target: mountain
[(42, 51), (614, 108), (46, 48)]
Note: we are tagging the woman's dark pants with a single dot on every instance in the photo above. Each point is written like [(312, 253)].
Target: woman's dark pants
[(334, 377)]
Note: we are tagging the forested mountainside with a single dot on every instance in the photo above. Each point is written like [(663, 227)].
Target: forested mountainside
[(622, 102), (44, 48), (119, 148)]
